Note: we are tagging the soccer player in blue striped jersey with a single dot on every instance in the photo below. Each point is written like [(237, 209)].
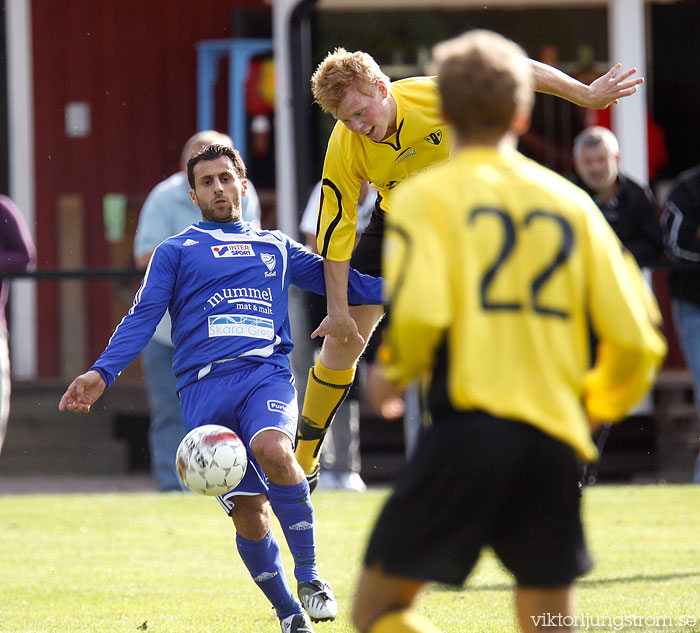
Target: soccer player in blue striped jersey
[(226, 286)]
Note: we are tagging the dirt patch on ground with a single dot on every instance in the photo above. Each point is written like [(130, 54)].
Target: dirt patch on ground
[(69, 484)]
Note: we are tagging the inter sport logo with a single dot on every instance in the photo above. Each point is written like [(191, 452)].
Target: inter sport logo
[(232, 250)]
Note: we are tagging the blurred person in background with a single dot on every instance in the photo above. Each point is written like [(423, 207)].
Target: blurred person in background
[(17, 252), (680, 224), (629, 208)]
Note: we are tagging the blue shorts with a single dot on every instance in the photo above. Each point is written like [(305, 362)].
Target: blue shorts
[(247, 400)]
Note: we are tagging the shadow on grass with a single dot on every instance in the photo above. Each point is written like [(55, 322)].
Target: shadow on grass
[(586, 582)]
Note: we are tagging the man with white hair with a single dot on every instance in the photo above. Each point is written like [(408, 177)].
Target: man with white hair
[(627, 206)]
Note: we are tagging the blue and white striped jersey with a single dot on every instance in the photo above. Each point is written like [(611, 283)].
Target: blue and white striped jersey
[(227, 289)]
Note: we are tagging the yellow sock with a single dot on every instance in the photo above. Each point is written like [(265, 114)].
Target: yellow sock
[(325, 390), (404, 621)]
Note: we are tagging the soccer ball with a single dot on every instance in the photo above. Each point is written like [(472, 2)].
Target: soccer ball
[(211, 460)]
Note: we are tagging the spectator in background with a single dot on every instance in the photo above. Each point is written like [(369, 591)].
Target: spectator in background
[(680, 225), (17, 252), (657, 153), (629, 208), (340, 459), (168, 209)]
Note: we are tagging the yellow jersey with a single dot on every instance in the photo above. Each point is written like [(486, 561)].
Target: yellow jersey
[(422, 139), (497, 271)]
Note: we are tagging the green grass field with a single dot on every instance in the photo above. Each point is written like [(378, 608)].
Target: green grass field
[(118, 563)]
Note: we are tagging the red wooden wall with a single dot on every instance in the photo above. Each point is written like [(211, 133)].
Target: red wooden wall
[(134, 62)]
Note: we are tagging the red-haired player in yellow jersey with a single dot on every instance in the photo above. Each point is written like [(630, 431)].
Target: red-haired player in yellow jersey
[(386, 133)]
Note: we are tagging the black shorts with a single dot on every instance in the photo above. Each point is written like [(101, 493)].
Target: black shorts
[(367, 257), (476, 480)]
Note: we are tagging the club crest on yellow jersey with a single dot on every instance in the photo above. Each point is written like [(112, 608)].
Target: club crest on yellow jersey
[(434, 137)]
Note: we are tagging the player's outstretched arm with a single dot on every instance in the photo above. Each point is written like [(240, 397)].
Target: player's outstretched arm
[(83, 392), (338, 322), (608, 88)]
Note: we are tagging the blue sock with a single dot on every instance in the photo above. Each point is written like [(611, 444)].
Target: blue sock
[(292, 507), (264, 562)]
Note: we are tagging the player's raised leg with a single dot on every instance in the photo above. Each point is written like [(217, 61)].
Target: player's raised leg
[(290, 499), (329, 382), (261, 555)]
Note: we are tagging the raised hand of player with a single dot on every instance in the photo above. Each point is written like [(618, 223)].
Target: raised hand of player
[(611, 87), (83, 392), (342, 327)]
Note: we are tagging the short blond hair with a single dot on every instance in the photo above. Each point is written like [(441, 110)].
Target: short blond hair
[(484, 79), (341, 71)]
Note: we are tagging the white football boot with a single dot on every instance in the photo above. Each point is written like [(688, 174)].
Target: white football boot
[(317, 598), (296, 623)]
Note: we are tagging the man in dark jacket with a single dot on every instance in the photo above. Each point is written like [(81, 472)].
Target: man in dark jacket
[(628, 207)]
